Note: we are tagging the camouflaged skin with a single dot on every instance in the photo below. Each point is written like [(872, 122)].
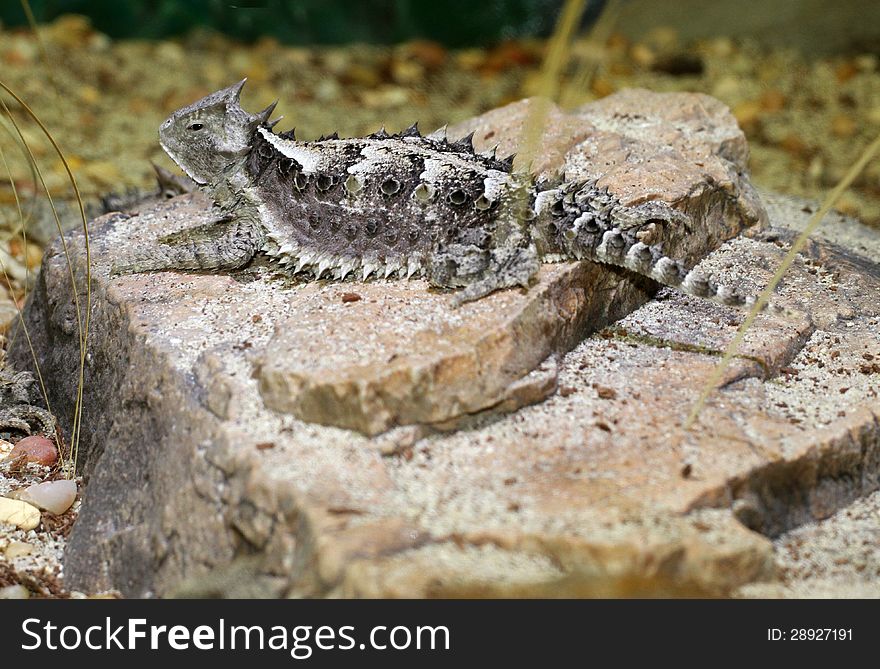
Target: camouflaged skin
[(393, 205)]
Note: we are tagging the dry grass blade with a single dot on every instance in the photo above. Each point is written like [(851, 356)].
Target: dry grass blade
[(558, 50), (27, 280), (574, 93), (764, 297), (82, 320)]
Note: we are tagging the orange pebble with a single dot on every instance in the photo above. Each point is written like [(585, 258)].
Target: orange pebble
[(36, 449), (773, 100), (843, 126)]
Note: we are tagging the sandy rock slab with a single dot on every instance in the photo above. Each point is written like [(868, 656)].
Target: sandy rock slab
[(199, 483)]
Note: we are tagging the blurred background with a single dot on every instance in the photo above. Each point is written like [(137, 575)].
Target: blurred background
[(801, 76)]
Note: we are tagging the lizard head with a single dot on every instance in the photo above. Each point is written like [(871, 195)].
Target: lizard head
[(208, 136)]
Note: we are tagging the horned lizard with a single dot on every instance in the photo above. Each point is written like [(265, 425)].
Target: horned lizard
[(393, 205)]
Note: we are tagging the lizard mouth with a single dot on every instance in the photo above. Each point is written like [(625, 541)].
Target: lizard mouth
[(180, 164)]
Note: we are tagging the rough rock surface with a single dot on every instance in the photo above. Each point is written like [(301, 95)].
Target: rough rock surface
[(596, 490)]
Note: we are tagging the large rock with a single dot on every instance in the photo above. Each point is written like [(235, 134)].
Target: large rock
[(596, 490)]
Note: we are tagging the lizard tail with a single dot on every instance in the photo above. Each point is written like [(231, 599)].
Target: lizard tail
[(615, 247), (650, 261)]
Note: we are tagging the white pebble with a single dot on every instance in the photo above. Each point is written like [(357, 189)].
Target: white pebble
[(18, 513), (53, 496), (17, 549)]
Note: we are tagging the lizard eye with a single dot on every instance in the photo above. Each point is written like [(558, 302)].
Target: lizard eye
[(195, 126)]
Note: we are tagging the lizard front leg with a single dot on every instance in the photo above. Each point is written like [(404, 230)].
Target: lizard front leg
[(226, 244)]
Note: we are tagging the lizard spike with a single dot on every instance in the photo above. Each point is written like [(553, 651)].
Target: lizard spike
[(272, 124), (412, 131), (286, 249), (323, 265), (233, 93), (368, 269), (345, 269), (169, 183), (440, 135), (508, 162), (465, 144), (163, 176), (412, 266), (262, 117), (381, 133), (289, 134), (391, 268)]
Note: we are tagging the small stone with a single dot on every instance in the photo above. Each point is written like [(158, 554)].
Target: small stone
[(843, 125), (16, 591), (71, 31), (385, 96), (351, 297), (21, 514), (642, 55), (846, 71), (89, 94), (33, 256), (773, 100), (17, 549), (601, 87), (867, 62), (722, 47), (36, 449), (793, 145), (407, 72), (361, 75), (429, 54), (606, 393), (53, 496)]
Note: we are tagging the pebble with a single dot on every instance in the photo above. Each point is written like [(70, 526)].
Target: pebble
[(17, 549), (430, 54), (70, 31), (53, 496), (407, 72), (642, 55), (15, 592), (37, 449), (845, 71), (843, 125), (773, 100), (386, 96), (21, 514), (601, 87)]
